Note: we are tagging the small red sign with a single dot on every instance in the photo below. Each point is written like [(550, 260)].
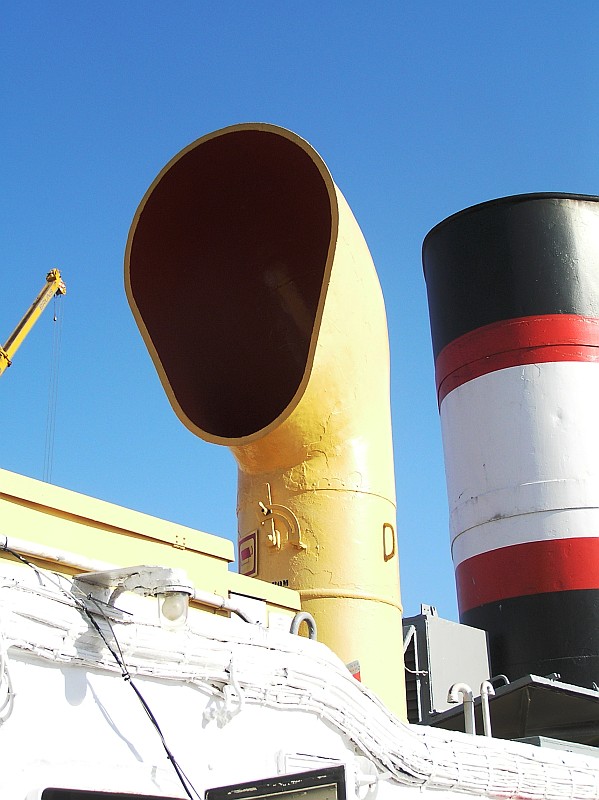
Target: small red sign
[(248, 554)]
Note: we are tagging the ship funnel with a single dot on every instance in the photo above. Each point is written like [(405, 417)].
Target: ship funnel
[(257, 298), (513, 289)]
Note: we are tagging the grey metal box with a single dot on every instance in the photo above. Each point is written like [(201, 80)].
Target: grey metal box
[(439, 653)]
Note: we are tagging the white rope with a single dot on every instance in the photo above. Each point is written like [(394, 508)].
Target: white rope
[(7, 695)]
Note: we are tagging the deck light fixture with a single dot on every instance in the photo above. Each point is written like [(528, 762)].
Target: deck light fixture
[(170, 586)]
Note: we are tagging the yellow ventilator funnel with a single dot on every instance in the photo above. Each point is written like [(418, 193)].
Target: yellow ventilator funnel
[(258, 300)]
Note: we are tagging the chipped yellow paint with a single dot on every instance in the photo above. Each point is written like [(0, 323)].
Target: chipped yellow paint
[(316, 481), (330, 465)]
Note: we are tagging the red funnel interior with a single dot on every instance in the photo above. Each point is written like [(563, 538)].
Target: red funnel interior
[(226, 268)]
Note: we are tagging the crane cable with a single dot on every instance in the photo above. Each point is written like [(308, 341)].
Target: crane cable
[(53, 388)]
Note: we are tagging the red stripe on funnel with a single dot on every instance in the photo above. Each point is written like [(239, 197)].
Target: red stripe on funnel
[(510, 343), (551, 565)]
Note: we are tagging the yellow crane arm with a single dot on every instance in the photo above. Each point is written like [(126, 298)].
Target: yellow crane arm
[(54, 285)]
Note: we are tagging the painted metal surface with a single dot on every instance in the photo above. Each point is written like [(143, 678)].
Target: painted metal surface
[(515, 257), (443, 653), (515, 342), (518, 441), (514, 297), (235, 703), (272, 340)]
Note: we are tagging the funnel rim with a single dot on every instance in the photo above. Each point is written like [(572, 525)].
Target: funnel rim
[(511, 199), (331, 190)]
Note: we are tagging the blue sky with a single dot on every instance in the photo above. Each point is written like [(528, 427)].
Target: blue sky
[(418, 108)]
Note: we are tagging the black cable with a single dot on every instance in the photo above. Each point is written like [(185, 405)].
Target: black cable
[(185, 782), (119, 659)]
